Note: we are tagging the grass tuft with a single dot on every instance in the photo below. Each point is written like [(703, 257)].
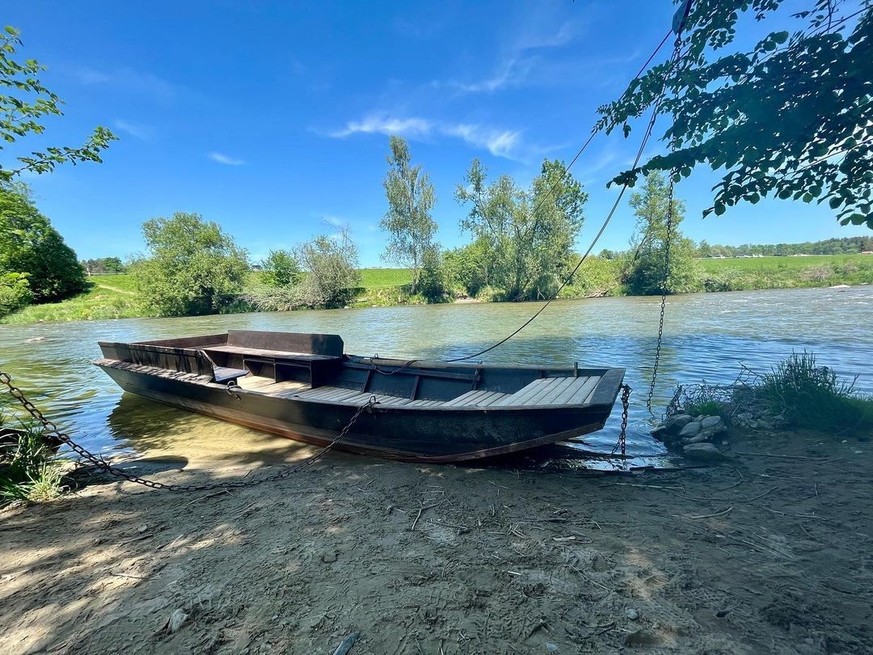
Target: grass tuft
[(806, 395), (29, 468)]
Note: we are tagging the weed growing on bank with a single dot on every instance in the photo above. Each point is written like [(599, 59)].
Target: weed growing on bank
[(797, 393), (29, 467)]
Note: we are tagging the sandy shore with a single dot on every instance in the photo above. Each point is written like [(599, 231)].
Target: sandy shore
[(768, 553)]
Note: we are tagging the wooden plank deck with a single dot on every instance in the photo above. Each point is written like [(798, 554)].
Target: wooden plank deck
[(551, 392)]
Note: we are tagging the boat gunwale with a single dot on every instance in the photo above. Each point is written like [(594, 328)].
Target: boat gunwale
[(604, 396)]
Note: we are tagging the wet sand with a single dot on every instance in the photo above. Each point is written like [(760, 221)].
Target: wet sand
[(767, 553)]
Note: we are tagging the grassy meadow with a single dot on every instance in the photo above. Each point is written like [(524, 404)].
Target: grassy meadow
[(746, 273)]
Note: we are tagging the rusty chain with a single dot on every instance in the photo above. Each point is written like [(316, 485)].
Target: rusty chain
[(100, 463), (622, 435)]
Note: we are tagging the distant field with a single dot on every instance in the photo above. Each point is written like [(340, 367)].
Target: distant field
[(763, 264), (746, 273), (385, 277)]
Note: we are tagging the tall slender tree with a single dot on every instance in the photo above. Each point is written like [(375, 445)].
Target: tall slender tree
[(408, 221), (658, 217)]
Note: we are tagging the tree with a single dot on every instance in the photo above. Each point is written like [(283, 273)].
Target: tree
[(24, 102), (526, 235), (104, 266), (331, 265), (408, 220), (644, 272), (790, 118), (192, 267), (30, 245), (281, 269)]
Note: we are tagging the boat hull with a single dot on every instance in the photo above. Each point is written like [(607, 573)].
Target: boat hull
[(413, 434)]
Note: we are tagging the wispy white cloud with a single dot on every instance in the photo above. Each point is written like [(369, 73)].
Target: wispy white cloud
[(378, 123), (513, 72), (499, 142), (225, 159), (128, 79), (521, 58), (89, 76), (135, 130)]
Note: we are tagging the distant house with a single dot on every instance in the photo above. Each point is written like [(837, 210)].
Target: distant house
[(867, 252)]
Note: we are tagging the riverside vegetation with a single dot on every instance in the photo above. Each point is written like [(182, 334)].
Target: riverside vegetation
[(115, 296)]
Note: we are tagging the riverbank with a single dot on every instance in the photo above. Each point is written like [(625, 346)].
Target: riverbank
[(769, 553), (114, 296)]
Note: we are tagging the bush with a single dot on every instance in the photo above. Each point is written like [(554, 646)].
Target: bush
[(193, 268), (14, 292), (29, 244)]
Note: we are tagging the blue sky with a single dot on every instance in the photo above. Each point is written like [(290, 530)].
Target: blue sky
[(272, 118)]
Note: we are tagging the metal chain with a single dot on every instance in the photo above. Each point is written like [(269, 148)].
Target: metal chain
[(668, 239), (100, 463), (622, 435)]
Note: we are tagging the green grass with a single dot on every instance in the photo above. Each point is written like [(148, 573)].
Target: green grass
[(29, 468), (385, 277), (807, 395), (745, 273), (122, 282), (111, 296)]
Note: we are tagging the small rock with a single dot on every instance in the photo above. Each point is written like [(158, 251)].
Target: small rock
[(690, 430), (703, 452), (328, 558), (552, 648), (632, 614), (710, 422), (142, 528), (659, 432), (677, 422), (764, 425), (698, 438), (177, 618)]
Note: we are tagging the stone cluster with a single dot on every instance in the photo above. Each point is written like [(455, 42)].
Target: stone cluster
[(692, 436)]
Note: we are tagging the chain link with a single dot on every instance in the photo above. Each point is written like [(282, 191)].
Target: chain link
[(621, 444), (668, 239), (100, 463)]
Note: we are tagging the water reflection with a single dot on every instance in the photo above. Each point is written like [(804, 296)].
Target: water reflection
[(707, 337)]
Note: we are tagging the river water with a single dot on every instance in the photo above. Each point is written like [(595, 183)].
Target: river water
[(706, 337)]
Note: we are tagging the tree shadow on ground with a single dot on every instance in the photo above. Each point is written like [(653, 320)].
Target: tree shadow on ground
[(423, 558)]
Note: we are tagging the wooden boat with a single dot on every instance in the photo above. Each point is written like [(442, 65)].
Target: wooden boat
[(304, 387)]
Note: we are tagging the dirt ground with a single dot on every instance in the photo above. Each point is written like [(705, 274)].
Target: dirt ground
[(767, 553)]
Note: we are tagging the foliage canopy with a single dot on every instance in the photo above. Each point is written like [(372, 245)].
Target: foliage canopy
[(30, 245), (192, 267), (790, 118), (24, 102), (523, 236)]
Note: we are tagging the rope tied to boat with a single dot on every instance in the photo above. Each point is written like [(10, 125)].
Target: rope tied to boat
[(100, 463)]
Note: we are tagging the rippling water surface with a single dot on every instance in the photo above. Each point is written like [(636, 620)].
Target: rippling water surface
[(706, 337)]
